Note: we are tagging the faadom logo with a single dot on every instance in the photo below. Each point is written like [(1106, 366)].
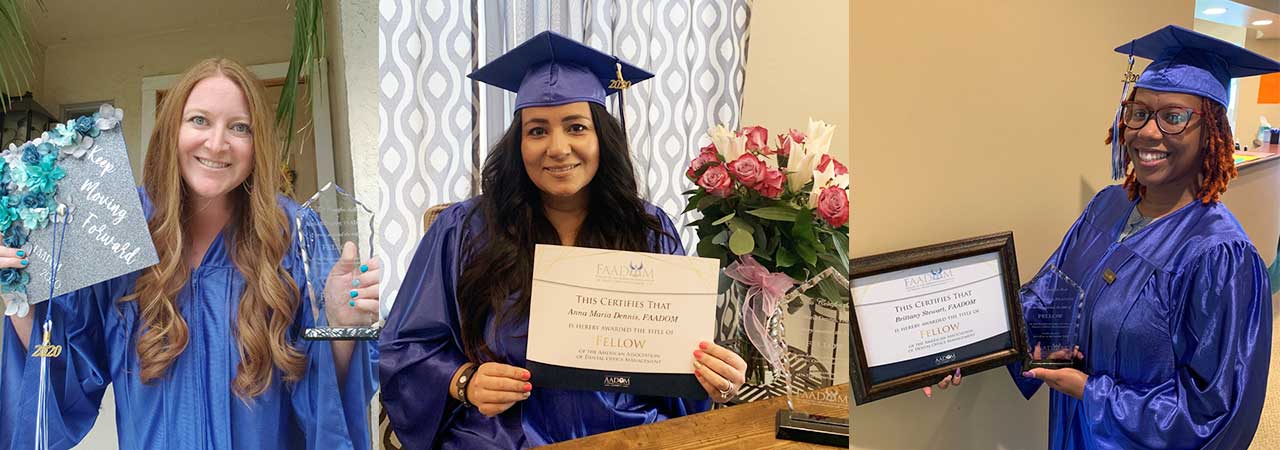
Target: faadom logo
[(934, 277), (617, 381), (944, 359)]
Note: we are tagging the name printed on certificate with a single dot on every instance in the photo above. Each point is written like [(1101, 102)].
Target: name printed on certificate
[(616, 320)]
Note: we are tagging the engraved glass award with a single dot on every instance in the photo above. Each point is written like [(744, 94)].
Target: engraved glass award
[(1052, 304), (340, 215), (815, 328)]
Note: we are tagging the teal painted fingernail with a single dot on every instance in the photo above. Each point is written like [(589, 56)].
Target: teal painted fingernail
[(353, 294), (364, 268), (24, 262), (21, 253), (352, 303), (355, 283)]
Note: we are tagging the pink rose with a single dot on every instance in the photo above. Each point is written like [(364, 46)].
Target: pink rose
[(771, 186), (757, 138), (748, 169), (797, 136), (784, 145), (709, 149), (833, 206), (716, 181), (703, 160), (840, 168)]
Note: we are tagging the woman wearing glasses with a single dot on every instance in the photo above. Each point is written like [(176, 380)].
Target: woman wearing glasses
[(1174, 324)]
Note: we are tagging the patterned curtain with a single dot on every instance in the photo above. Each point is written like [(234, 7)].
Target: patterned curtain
[(437, 125)]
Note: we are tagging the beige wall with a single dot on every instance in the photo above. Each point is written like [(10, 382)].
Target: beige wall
[(796, 68), (975, 117), (353, 95), (113, 69)]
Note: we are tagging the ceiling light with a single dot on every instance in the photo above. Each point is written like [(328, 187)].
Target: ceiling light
[(1261, 23), (1214, 11)]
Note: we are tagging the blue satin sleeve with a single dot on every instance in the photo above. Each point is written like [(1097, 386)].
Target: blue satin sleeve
[(421, 348), (76, 380), (333, 415), (1222, 339)]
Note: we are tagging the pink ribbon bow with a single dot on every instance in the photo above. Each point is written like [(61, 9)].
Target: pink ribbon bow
[(765, 290)]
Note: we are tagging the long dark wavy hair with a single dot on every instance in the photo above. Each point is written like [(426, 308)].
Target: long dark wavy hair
[(512, 211)]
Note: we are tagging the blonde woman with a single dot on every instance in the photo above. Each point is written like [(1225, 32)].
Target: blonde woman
[(203, 348)]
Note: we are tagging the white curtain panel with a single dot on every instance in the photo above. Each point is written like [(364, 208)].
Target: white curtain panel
[(437, 126)]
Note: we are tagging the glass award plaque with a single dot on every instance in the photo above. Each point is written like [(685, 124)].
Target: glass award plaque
[(340, 215), (817, 411), (1053, 305)]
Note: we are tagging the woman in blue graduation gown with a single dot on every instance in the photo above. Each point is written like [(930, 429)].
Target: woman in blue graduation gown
[(453, 351), (1175, 325), (203, 349)]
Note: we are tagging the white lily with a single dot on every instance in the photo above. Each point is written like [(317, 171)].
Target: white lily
[(727, 143)]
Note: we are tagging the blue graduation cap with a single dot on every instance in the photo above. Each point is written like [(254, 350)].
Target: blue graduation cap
[(1187, 62), (550, 70)]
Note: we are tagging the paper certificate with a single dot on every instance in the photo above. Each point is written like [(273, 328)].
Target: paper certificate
[(619, 321), (931, 310)]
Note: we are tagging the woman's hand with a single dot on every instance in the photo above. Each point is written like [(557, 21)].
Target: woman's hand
[(720, 371), (12, 258), (951, 380), (495, 387), (352, 290), (1067, 380)]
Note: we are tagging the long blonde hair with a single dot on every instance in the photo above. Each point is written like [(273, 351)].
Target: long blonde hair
[(258, 228)]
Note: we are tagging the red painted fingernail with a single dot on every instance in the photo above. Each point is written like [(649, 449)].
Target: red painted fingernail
[(697, 373), (526, 376), (697, 354), (928, 392), (702, 345), (528, 387)]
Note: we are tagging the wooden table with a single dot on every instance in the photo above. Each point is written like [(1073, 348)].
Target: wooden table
[(748, 426)]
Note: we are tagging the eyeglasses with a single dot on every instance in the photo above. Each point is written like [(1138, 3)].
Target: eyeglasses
[(1170, 119)]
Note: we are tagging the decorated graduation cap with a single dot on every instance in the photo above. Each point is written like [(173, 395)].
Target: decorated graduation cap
[(551, 70), (1186, 62)]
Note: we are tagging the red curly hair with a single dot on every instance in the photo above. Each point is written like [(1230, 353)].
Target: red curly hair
[(1217, 164)]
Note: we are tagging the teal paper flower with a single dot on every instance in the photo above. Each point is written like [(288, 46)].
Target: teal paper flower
[(18, 177), (62, 136), (34, 218), (43, 177), (7, 214), (87, 126)]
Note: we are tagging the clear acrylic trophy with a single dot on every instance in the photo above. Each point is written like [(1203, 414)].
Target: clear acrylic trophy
[(813, 414), (1053, 303), (340, 215)]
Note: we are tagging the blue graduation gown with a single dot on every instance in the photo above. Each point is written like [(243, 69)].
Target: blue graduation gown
[(1177, 345), (421, 348), (193, 405)]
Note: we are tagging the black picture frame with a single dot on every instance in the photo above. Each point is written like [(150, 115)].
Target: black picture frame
[(866, 388)]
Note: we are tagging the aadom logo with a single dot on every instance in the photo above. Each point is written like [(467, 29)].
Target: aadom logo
[(934, 277), (617, 381), (944, 359)]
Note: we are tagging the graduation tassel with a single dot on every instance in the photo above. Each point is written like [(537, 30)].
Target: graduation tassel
[(46, 350), (621, 84), (1118, 157)]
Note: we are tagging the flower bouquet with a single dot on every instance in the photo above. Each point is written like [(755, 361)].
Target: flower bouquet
[(775, 215)]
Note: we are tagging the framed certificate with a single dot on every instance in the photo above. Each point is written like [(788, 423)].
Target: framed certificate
[(919, 314), (608, 320)]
